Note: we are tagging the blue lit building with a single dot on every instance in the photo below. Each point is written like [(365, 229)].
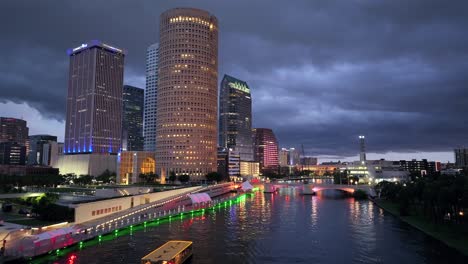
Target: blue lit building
[(94, 101)]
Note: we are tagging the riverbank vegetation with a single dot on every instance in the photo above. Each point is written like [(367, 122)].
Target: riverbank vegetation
[(436, 204)]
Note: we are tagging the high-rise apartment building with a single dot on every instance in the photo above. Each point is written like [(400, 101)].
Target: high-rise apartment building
[(40, 149), (94, 101), (266, 149), (187, 98), (132, 125), (235, 117), (13, 130), (151, 95)]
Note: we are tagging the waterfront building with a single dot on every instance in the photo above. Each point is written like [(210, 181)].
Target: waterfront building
[(132, 125), (13, 130), (151, 95), (374, 171), (12, 153), (249, 169), (187, 97), (266, 149), (40, 149), (461, 158), (319, 170), (86, 164), (130, 164), (93, 128), (94, 100), (228, 163), (422, 167), (235, 117)]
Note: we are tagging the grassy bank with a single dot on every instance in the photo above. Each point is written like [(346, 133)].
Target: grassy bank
[(449, 235)]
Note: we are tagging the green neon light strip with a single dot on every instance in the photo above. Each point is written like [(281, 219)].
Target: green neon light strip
[(62, 252), (239, 86)]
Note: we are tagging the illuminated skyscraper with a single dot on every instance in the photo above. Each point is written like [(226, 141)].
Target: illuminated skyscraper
[(151, 95), (132, 125), (235, 117), (94, 101), (187, 100), (266, 149)]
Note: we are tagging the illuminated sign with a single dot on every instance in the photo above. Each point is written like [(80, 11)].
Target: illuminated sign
[(239, 86), (80, 47), (112, 48)]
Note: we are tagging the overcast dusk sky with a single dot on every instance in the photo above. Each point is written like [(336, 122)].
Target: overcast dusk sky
[(321, 72)]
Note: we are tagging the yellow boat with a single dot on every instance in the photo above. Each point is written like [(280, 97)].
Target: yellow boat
[(173, 252)]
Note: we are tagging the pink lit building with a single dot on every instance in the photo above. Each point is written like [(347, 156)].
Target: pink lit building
[(266, 149)]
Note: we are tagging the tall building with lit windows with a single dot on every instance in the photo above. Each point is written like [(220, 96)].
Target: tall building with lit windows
[(266, 149), (94, 101), (14, 130), (187, 100), (235, 117), (94, 109), (132, 119), (151, 95)]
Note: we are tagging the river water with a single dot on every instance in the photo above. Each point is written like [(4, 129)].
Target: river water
[(284, 227)]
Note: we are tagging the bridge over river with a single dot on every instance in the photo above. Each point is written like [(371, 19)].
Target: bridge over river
[(317, 187)]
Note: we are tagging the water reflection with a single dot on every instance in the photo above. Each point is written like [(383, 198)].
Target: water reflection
[(284, 227)]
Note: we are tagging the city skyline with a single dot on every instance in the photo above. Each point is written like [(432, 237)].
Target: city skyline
[(308, 117)]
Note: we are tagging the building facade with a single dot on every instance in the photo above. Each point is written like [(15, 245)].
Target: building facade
[(461, 158), (21, 170), (13, 130), (375, 171), (266, 149), (12, 153), (422, 167), (132, 125), (187, 100), (289, 157), (283, 158), (151, 96), (235, 117), (249, 169), (308, 161), (40, 149), (228, 163), (94, 100), (130, 164)]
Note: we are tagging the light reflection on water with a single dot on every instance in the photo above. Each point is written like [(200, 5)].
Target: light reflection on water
[(284, 227)]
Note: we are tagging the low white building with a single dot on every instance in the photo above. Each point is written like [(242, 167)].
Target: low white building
[(86, 164), (374, 171)]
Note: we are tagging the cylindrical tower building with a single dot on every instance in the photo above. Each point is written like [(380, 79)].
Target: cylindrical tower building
[(187, 93)]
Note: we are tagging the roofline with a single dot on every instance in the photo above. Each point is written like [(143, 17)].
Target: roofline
[(95, 43)]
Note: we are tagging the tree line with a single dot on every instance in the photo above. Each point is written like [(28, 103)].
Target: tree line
[(440, 198)]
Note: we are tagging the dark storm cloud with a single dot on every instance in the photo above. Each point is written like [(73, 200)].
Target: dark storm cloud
[(321, 72)]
